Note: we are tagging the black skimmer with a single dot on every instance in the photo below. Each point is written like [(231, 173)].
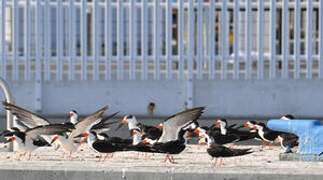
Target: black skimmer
[(173, 138), (151, 132), (31, 139), (66, 141), (287, 141), (231, 132), (287, 117), (250, 125), (111, 144), (216, 150), (266, 134)]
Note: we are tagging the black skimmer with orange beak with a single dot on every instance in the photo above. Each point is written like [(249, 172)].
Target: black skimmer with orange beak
[(173, 138), (31, 139), (151, 132), (219, 151)]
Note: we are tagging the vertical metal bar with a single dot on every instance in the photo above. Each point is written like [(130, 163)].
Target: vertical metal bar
[(3, 40), (120, 42), (321, 40), (47, 35), (180, 35), (108, 40), (132, 40), (285, 40), (15, 44), (224, 39), (59, 42), (38, 69), (236, 65), (199, 39), (297, 27), (212, 39), (309, 40), (84, 40), (156, 40), (272, 74), (260, 40), (71, 41), (144, 33), (27, 40), (190, 54), (95, 51), (169, 14), (248, 40)]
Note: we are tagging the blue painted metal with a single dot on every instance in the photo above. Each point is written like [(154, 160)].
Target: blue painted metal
[(310, 133)]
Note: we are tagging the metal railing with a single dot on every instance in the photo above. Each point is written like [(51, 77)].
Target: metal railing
[(103, 40)]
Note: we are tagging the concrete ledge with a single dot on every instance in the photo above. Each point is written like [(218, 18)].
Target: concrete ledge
[(148, 174)]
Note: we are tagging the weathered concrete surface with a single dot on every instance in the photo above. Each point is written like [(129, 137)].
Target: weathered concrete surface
[(193, 163)]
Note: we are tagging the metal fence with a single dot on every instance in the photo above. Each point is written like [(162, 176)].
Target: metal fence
[(46, 40)]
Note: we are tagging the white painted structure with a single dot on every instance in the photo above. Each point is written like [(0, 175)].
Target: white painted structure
[(67, 53)]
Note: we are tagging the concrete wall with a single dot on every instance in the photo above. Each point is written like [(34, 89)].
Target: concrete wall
[(109, 174), (229, 98)]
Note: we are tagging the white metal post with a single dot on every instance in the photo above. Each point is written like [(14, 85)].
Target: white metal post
[(309, 40), (260, 63), (120, 41), (248, 40), (108, 40), (190, 72), (144, 34), (38, 69), (156, 40), (272, 74), (27, 40), (71, 42), (84, 39), (297, 27), (169, 23), (180, 35), (199, 58), (3, 40), (95, 47), (15, 44), (47, 35), (132, 40), (285, 40), (59, 40), (236, 65)]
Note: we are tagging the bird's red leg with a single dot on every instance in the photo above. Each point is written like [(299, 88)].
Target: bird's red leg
[(29, 156), (70, 155), (172, 159), (271, 145), (111, 155), (264, 144), (220, 164), (215, 161), (166, 158), (105, 157), (100, 158), (63, 155)]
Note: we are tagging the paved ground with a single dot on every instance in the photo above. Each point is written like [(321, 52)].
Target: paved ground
[(192, 159), (193, 163)]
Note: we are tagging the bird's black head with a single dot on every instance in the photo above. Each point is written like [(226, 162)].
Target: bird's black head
[(287, 116)]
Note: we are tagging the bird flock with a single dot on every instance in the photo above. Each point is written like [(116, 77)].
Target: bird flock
[(32, 131)]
